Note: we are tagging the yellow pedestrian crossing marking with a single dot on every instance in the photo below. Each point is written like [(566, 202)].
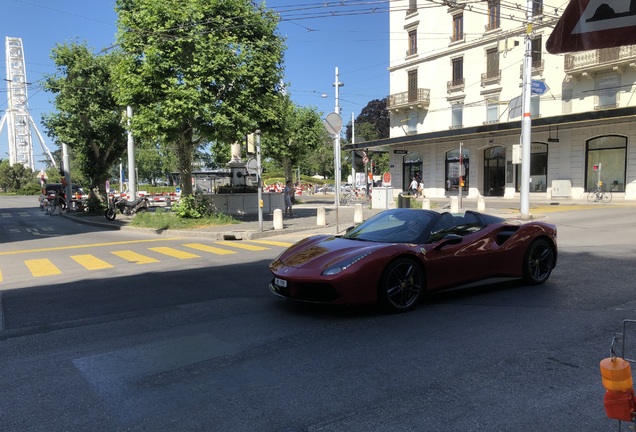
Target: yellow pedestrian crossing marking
[(273, 243), (90, 262), (174, 252), (46, 266), (42, 267), (246, 246), (135, 257), (211, 249)]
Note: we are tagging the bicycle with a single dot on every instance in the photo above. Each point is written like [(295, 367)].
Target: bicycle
[(599, 194), (52, 204), (348, 198)]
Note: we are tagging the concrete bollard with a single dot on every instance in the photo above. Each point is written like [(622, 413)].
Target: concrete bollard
[(321, 219), (454, 205), (278, 219), (481, 204), (357, 214), (426, 204)]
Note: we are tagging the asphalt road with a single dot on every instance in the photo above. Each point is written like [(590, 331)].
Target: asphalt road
[(200, 345)]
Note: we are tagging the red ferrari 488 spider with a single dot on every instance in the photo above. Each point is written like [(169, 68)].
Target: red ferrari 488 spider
[(398, 255)]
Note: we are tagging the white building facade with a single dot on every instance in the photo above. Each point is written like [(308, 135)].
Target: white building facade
[(456, 77)]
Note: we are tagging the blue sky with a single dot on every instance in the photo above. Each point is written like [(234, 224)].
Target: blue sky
[(352, 35)]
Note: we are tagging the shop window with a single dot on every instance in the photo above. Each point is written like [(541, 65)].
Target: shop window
[(606, 161)]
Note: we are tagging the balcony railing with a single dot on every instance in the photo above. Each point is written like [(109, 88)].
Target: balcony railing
[(490, 78), (587, 61), (419, 99), (455, 85)]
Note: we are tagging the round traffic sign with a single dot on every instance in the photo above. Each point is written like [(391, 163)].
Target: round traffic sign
[(333, 123), (365, 160), (386, 178)]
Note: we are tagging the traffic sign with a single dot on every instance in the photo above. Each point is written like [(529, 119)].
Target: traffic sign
[(333, 123), (386, 178), (593, 24), (538, 87), (365, 160)]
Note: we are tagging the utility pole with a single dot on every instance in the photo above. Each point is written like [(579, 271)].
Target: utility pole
[(526, 120), (259, 182), (336, 149), (132, 177), (353, 154)]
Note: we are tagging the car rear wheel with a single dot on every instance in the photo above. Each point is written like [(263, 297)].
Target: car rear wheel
[(401, 285), (538, 262)]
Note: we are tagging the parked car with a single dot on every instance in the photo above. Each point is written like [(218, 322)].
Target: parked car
[(398, 255)]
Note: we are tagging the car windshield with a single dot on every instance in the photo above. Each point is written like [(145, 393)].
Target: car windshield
[(394, 226)]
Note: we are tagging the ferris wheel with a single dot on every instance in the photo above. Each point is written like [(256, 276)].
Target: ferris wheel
[(17, 117)]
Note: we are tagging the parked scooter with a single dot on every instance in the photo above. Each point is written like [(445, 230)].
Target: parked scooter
[(125, 207)]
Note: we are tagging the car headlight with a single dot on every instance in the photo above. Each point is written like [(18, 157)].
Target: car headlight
[(340, 266)]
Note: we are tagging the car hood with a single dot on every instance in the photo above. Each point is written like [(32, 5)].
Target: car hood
[(321, 251)]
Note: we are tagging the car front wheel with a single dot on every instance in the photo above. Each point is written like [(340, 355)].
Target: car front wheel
[(401, 285), (538, 262)]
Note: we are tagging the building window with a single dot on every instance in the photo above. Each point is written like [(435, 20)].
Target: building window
[(458, 28), (536, 52), (494, 20), (457, 114), (412, 83), (535, 106), (411, 122), (492, 111), (455, 169), (412, 42), (412, 7), (538, 168), (492, 63), (458, 72), (607, 90), (606, 162), (537, 7)]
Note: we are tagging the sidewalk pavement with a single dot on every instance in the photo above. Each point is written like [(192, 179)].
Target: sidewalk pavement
[(337, 220)]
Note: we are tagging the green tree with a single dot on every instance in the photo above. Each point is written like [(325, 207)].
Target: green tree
[(198, 71), (17, 178), (295, 137), (374, 114), (87, 116)]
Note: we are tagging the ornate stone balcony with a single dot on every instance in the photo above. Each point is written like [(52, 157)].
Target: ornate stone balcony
[(410, 100), (586, 63)]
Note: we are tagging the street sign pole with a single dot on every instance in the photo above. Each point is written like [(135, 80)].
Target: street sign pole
[(526, 121)]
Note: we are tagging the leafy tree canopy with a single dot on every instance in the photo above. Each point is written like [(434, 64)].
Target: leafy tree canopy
[(87, 116), (198, 71)]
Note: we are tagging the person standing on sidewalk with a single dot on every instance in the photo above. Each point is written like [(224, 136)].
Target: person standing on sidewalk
[(288, 195)]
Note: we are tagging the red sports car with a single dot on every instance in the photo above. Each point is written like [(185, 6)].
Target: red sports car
[(397, 255)]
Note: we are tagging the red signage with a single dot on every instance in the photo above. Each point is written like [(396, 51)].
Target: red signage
[(386, 178), (593, 24)]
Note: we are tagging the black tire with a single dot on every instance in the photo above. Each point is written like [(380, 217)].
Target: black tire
[(401, 285), (110, 214), (538, 262), (591, 197), (606, 197)]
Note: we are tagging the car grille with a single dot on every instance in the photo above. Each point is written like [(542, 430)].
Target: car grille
[(309, 292)]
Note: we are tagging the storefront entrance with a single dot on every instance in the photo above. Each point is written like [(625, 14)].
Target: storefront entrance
[(494, 171)]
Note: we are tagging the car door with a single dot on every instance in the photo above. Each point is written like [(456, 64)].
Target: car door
[(461, 251)]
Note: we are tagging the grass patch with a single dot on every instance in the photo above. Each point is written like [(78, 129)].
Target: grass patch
[(163, 220)]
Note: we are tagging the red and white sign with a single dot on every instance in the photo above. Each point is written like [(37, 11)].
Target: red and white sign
[(386, 178), (593, 24)]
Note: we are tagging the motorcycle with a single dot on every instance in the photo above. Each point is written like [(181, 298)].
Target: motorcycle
[(125, 207)]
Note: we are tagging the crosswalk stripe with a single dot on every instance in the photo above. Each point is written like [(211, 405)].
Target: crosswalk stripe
[(174, 252), (212, 249), (135, 257), (245, 246), (0, 276), (273, 243), (42, 267), (91, 262)]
